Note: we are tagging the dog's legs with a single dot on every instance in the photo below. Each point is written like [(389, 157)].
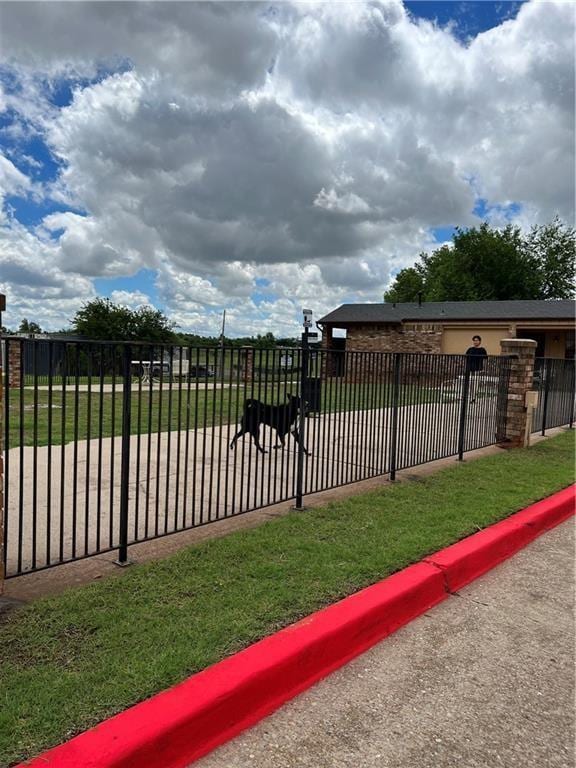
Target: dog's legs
[(236, 436), (282, 441), (297, 438), (256, 436)]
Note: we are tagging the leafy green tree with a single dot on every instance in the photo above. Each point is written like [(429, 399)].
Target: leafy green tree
[(196, 340), (408, 284), (27, 326), (101, 319), (265, 341), (553, 248), (483, 264), (152, 325), (490, 264)]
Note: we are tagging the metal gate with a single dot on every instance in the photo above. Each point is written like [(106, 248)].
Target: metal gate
[(555, 381)]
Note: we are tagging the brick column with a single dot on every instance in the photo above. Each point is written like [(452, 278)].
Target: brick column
[(14, 347), (2, 308), (521, 353), (328, 362), (247, 363)]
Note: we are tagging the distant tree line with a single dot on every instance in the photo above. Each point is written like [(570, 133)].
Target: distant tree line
[(103, 320), (484, 264)]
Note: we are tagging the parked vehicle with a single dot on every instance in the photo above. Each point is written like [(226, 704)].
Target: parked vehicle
[(200, 372)]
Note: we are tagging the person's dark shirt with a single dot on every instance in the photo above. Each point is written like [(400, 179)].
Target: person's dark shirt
[(475, 361)]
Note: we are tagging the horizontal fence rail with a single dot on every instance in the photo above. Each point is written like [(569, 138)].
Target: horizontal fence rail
[(110, 444), (555, 382)]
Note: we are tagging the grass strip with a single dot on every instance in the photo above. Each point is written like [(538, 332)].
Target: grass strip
[(70, 661), (29, 413)]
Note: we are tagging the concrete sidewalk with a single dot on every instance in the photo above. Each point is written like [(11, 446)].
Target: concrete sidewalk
[(485, 679), (63, 501)]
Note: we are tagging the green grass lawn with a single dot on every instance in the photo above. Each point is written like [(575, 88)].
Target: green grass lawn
[(42, 418), (72, 660)]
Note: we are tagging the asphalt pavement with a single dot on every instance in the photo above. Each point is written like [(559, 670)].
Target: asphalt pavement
[(485, 679)]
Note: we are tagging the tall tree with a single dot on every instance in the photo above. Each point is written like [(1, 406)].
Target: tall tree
[(553, 248), (490, 264), (101, 319), (483, 264), (408, 284), (29, 326)]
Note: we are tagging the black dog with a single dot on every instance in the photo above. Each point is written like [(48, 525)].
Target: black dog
[(279, 417)]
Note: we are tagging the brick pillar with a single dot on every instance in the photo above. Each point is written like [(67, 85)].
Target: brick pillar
[(14, 347), (521, 353), (328, 362), (247, 354), (2, 308)]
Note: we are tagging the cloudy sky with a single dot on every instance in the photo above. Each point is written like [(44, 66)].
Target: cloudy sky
[(262, 157)]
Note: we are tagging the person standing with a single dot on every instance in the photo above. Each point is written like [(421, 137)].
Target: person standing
[(475, 356)]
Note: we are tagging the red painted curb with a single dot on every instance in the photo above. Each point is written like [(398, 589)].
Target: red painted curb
[(178, 726), (182, 724), (468, 559)]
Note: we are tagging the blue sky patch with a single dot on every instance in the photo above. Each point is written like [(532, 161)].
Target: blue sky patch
[(467, 19), (143, 281), (60, 93), (34, 147), (484, 210), (442, 234), (31, 212), (261, 294)]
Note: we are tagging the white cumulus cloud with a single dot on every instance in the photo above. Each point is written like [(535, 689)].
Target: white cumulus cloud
[(261, 157)]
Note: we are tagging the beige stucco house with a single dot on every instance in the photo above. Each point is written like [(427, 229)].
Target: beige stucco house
[(447, 327)]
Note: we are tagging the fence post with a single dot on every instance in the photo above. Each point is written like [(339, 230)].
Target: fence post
[(395, 404), (125, 464), (547, 371), (463, 413), (504, 364), (247, 358), (14, 359), (521, 355), (302, 422), (3, 351)]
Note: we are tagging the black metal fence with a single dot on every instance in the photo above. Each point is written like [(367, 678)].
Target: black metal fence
[(129, 442), (555, 382)]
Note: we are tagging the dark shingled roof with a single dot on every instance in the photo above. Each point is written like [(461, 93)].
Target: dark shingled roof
[(561, 309)]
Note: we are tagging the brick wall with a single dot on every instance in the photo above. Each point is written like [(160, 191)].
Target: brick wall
[(413, 337), (410, 337)]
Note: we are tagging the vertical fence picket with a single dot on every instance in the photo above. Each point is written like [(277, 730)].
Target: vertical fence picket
[(125, 461), (463, 413), (301, 429), (546, 378), (395, 408)]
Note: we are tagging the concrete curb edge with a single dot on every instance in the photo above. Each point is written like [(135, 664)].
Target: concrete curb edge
[(180, 725)]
